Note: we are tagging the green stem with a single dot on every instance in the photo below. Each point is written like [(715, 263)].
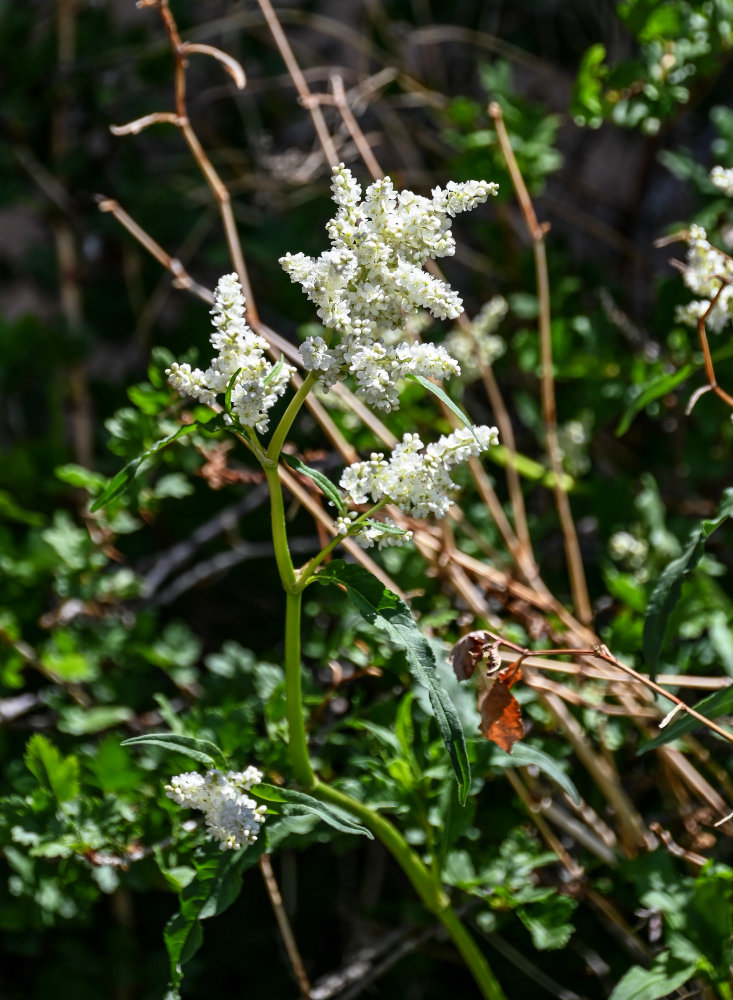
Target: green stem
[(472, 955), (279, 530), (428, 889), (425, 884), (305, 573), (286, 422), (302, 770)]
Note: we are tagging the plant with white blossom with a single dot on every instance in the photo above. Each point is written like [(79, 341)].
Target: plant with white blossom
[(372, 278), (232, 817), (722, 178), (373, 296)]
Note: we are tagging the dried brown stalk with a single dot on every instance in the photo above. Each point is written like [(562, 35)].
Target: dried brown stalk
[(301, 84), (709, 368), (537, 232), (283, 924), (220, 191)]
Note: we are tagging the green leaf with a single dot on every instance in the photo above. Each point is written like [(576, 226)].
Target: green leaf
[(322, 482), (217, 884), (660, 386), (54, 772), (523, 755), (667, 591), (273, 372), (123, 479), (714, 705), (443, 397), (228, 394), (664, 976), (548, 921), (388, 613), (299, 803), (202, 751), (77, 720)]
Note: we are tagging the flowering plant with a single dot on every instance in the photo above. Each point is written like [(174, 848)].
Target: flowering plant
[(366, 289)]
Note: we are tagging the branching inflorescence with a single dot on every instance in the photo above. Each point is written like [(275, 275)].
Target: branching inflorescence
[(366, 289), (373, 277)]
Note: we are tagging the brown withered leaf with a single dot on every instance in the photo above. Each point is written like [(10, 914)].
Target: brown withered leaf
[(501, 716), (467, 652), (218, 473)]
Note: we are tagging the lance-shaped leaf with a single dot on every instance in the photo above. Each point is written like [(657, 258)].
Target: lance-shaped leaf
[(523, 755), (443, 397), (322, 482), (125, 476), (203, 751), (299, 803), (658, 387), (667, 591), (228, 394), (718, 703), (385, 611)]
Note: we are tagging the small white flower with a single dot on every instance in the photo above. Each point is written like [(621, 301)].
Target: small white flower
[(232, 817), (255, 389)]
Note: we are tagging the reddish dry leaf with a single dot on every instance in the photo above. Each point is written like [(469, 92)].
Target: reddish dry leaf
[(467, 652), (501, 716)]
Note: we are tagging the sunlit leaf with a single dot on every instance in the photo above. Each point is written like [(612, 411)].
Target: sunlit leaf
[(203, 751), (388, 613)]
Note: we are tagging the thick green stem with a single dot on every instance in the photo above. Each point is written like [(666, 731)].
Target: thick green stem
[(278, 438), (302, 769), (279, 530), (425, 884)]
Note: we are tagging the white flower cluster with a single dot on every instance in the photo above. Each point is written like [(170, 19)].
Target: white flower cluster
[(372, 278), (416, 478), (705, 267), (258, 384), (478, 344), (232, 817), (371, 533), (723, 180)]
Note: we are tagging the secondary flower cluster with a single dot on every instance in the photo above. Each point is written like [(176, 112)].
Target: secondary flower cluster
[(379, 533), (372, 277), (706, 266), (232, 817), (416, 477), (258, 383)]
